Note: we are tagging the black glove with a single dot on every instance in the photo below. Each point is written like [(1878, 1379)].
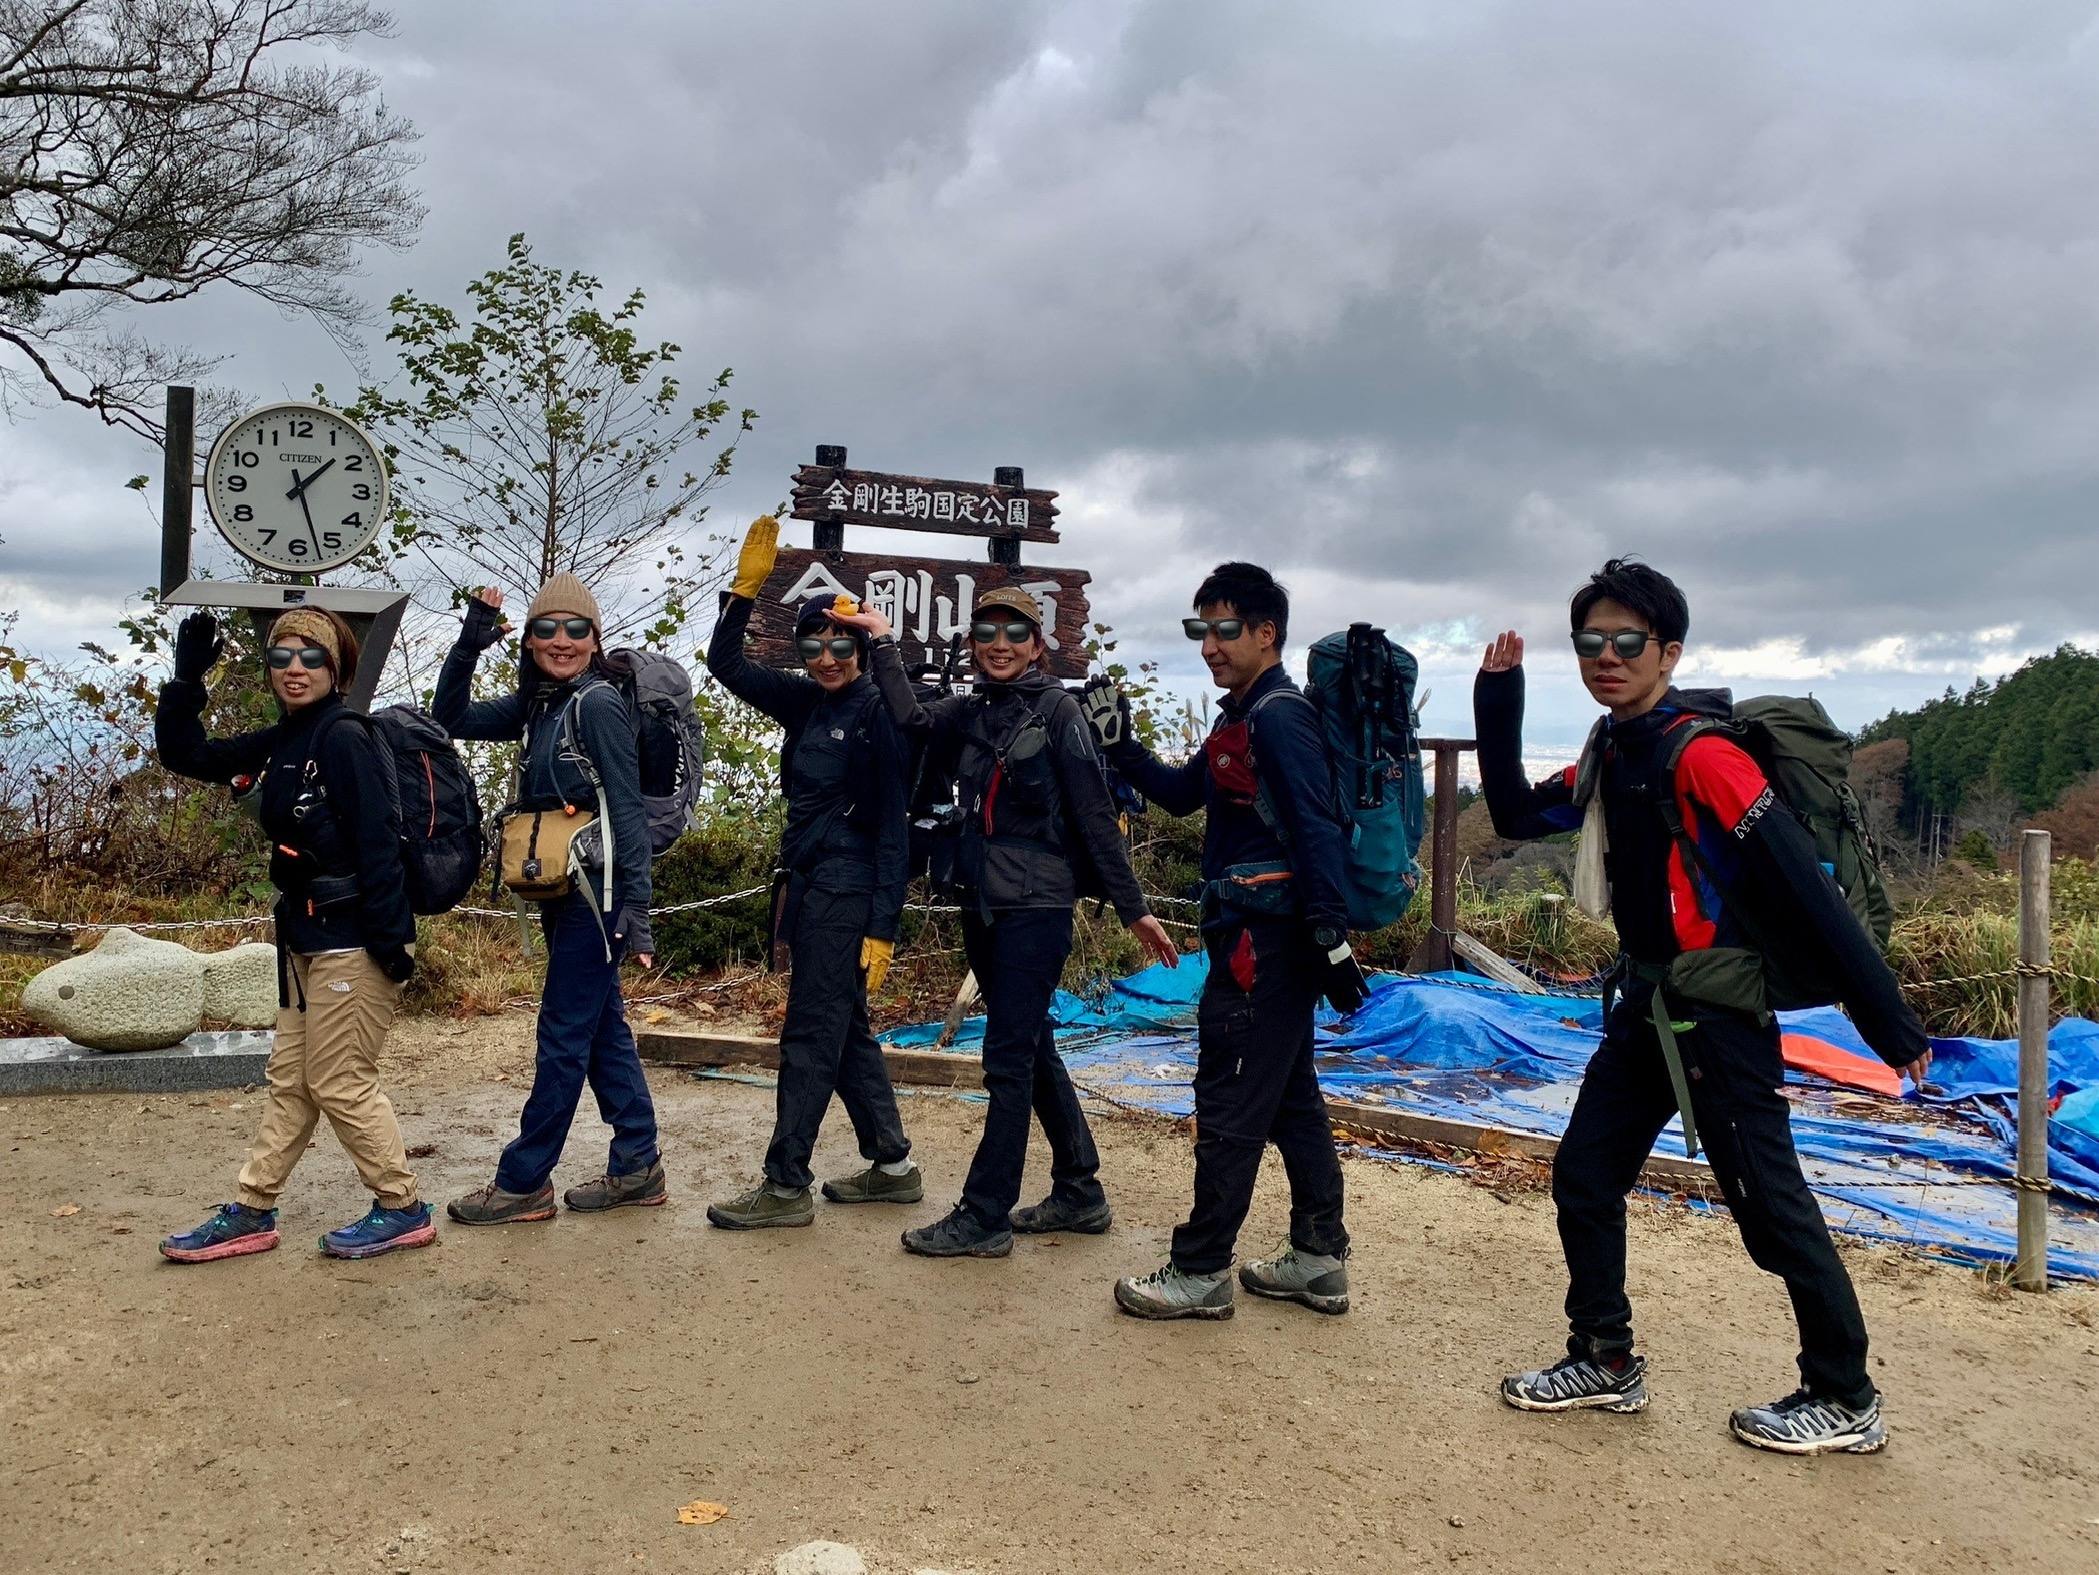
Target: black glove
[(395, 962), (1342, 981), (1107, 711), (482, 626), (198, 646)]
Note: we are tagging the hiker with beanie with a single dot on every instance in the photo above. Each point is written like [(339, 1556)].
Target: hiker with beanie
[(1275, 926), (580, 752), (1689, 850), (839, 895), (1036, 814), (345, 936)]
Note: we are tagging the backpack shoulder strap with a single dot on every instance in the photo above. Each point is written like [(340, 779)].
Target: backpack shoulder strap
[(1264, 806)]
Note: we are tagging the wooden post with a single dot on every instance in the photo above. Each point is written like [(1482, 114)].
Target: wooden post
[(178, 464), (830, 534), (1433, 955), (1006, 549), (2030, 1272)]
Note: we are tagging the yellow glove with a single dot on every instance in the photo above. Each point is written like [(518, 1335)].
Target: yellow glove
[(761, 550), (874, 961)]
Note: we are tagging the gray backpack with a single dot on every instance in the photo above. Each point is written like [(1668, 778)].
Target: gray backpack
[(670, 738)]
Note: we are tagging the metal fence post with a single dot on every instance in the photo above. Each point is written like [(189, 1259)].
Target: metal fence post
[(2030, 1272)]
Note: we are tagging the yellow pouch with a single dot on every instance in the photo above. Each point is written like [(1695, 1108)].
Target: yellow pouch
[(534, 850)]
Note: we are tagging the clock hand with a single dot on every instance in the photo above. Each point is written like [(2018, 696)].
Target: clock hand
[(298, 490)]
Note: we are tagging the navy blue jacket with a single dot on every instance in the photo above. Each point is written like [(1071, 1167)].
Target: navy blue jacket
[(1290, 758)]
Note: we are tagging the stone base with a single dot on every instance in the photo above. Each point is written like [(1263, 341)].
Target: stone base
[(205, 1060)]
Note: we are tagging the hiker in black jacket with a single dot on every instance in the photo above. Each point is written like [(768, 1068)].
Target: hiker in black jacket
[(844, 863), (345, 937), (1036, 817), (580, 750), (1680, 1036), (1275, 923)]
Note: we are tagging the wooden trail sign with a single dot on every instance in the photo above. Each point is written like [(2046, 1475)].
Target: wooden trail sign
[(929, 600), (833, 495)]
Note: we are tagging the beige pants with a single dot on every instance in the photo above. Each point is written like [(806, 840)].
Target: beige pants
[(326, 1062)]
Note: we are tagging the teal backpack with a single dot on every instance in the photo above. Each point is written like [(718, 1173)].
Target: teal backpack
[(1361, 687)]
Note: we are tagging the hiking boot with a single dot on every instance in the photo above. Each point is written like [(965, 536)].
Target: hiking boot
[(763, 1207), (232, 1232), (1579, 1383), (1310, 1279), (876, 1185), (1060, 1215), (958, 1236), (1805, 1424), (382, 1230), (491, 1205), (642, 1190), (1168, 1292)]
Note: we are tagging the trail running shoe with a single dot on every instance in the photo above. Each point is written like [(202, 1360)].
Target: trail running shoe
[(232, 1232), (1578, 1383), (644, 1189), (1057, 1215), (876, 1185), (1310, 1279), (958, 1236), (1805, 1424), (1168, 1292), (762, 1208), (382, 1230), (491, 1205)]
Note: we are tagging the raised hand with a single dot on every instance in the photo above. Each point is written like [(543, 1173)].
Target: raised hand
[(1503, 652), (483, 624), (1107, 711), (198, 646), (866, 618), (761, 550)]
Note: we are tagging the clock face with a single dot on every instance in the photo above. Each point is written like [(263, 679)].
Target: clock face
[(296, 487)]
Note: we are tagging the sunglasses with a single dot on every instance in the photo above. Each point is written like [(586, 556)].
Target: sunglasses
[(1628, 643), (547, 628), (986, 632), (309, 656), (840, 646), (1227, 628)]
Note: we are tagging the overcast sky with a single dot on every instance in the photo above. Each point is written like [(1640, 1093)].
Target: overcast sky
[(1428, 306)]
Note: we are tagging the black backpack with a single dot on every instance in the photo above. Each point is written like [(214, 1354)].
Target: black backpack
[(439, 811)]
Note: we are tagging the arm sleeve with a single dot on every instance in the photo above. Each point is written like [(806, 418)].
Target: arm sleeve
[(179, 739), (787, 698), (606, 732), (350, 767), (1290, 757), (1785, 887), (462, 716), (1519, 810), (938, 716), (1092, 810), (1179, 790), (892, 766)]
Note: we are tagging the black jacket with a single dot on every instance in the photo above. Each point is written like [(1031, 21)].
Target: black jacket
[(843, 768), (1290, 758), (329, 803), (1665, 903), (1018, 821), (547, 716)]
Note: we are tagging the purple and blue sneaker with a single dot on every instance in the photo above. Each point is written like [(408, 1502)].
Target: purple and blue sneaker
[(382, 1230), (235, 1230)]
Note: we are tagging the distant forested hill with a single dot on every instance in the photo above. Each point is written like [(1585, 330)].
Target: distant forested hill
[(2033, 735)]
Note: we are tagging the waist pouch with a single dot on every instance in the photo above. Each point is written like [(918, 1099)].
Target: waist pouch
[(536, 850), (1264, 886), (330, 891)]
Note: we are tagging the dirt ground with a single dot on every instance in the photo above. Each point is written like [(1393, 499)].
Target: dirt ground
[(545, 1397)]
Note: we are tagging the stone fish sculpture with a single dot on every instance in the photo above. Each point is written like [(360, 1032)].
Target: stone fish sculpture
[(133, 993)]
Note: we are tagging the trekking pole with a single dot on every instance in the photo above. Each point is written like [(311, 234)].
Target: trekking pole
[(2030, 1269)]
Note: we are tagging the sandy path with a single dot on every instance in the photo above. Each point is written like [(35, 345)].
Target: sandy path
[(542, 1398)]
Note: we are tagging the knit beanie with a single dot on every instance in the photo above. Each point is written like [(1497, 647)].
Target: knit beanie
[(308, 624), (564, 593)]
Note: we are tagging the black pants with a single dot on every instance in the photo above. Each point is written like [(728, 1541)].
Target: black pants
[(1018, 958), (1735, 1072), (825, 1044), (1255, 1085)]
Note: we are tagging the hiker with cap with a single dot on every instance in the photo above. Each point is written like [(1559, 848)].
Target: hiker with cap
[(1275, 926), (1713, 883), (345, 936), (1038, 829), (838, 895), (580, 757)]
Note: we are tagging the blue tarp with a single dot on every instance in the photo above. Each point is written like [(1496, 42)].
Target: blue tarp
[(1931, 1172)]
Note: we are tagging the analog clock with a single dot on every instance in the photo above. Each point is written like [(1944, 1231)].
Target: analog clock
[(296, 487)]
